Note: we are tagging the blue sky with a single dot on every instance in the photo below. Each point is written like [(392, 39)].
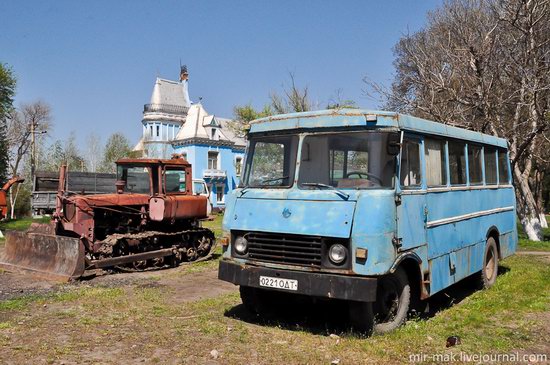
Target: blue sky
[(95, 62)]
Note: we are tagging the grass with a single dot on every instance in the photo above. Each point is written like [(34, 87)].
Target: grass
[(215, 225), (20, 224), (145, 323)]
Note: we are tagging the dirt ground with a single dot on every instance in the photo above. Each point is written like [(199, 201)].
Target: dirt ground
[(203, 284), (166, 316), (194, 286)]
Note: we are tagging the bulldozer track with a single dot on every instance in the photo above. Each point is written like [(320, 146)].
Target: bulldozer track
[(208, 257), (175, 250), (112, 239)]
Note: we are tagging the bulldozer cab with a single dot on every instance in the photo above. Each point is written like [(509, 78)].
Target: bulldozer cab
[(154, 177)]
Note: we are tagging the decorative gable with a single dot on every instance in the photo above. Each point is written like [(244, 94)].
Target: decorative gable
[(211, 121)]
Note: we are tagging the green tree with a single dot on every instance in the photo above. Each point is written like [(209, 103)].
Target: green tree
[(7, 91), (63, 153), (53, 158), (244, 115), (116, 147), (4, 162)]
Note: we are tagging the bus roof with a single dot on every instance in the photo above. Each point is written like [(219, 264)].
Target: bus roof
[(369, 118)]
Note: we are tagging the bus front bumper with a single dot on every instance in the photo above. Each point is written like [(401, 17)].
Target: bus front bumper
[(356, 288)]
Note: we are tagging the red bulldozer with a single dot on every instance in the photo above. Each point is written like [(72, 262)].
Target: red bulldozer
[(153, 221)]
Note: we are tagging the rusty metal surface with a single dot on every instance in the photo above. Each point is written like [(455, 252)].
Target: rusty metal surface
[(113, 261), (13, 180), (4, 192), (3, 204), (107, 230), (43, 228), (111, 240), (105, 200), (43, 255), (175, 207)]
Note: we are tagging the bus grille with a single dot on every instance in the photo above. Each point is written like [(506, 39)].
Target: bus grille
[(285, 248)]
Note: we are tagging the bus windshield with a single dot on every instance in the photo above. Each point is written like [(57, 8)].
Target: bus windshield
[(353, 160), (272, 161)]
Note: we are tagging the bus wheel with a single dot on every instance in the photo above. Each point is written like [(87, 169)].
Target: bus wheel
[(253, 299), (361, 317), (489, 271), (393, 300)]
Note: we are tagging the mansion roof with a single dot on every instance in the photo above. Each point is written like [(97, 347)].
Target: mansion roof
[(168, 92)]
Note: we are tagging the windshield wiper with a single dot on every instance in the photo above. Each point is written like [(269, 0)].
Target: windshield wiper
[(246, 188), (340, 193), (274, 179)]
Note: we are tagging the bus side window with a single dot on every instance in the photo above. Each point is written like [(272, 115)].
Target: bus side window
[(502, 167), (436, 168), (457, 163), (474, 164), (410, 175), (490, 166)]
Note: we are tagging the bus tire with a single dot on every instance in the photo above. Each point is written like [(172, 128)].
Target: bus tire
[(393, 301), (361, 317), (489, 270)]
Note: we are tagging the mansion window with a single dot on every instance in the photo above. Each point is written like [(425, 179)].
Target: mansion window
[(219, 192), (212, 160), (238, 165)]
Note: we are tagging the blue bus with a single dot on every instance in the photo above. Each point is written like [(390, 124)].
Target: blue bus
[(379, 209)]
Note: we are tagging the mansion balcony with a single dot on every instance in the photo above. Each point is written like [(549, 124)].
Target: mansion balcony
[(165, 108), (214, 174)]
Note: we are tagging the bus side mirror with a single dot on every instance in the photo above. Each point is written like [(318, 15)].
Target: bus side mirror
[(393, 146)]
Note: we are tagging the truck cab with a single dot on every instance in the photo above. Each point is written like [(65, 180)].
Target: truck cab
[(201, 188)]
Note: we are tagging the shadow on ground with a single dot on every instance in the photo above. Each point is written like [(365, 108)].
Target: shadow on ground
[(323, 317)]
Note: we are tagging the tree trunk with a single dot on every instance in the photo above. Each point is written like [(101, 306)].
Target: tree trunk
[(539, 196), (13, 200), (527, 207), (543, 222)]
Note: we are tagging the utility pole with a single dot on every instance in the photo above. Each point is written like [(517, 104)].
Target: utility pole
[(33, 149), (33, 152)]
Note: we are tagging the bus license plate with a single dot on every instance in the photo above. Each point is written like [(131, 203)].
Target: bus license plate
[(278, 283)]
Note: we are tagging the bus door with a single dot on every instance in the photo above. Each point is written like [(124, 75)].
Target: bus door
[(411, 198)]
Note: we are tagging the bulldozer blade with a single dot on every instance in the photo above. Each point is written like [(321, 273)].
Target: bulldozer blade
[(44, 255)]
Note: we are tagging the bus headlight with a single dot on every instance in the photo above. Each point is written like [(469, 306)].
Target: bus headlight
[(241, 245), (337, 253)]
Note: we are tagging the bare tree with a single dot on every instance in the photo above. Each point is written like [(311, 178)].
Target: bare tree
[(94, 151), (295, 99), (337, 101), (23, 125), (482, 65)]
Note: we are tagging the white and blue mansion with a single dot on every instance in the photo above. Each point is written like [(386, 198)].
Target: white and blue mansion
[(173, 124)]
